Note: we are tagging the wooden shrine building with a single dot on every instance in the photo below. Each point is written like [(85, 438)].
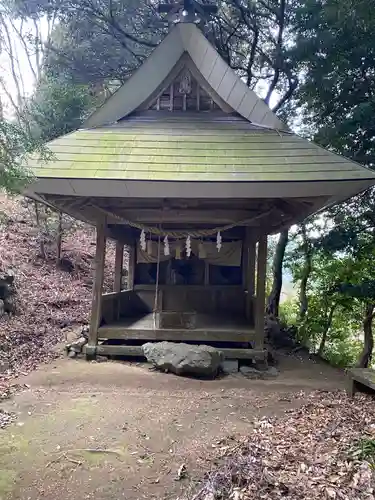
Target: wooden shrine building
[(190, 170)]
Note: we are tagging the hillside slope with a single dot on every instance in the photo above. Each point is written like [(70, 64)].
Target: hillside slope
[(49, 300)]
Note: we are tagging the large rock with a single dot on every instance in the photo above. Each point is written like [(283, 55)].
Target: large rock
[(184, 359), (6, 285)]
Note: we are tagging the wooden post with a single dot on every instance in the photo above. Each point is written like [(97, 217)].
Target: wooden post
[(260, 301), (248, 264), (96, 308), (119, 259), (251, 269), (131, 269)]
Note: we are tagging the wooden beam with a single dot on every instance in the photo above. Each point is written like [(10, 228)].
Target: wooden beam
[(256, 354), (260, 301), (199, 335), (96, 307), (119, 260), (124, 234), (180, 215)]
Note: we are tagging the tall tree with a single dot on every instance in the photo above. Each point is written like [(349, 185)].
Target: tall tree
[(98, 41), (15, 143), (255, 39), (335, 48), (58, 107), (23, 48), (273, 301), (353, 235)]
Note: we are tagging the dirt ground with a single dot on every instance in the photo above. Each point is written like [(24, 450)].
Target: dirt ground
[(146, 424)]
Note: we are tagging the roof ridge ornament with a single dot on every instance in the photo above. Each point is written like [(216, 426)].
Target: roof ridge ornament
[(187, 11)]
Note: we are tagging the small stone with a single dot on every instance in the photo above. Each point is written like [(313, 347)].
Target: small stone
[(272, 357), (9, 277), (72, 354), (85, 331), (4, 365), (101, 359), (250, 372), (10, 305), (77, 345), (230, 366), (272, 372), (66, 264), (261, 365)]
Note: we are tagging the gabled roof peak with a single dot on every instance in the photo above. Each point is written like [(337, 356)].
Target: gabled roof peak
[(185, 44)]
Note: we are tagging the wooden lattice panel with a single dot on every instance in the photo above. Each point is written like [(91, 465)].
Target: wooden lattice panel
[(184, 94)]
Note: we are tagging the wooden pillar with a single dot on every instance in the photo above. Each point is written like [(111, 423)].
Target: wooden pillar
[(119, 260), (251, 269), (96, 308), (248, 265), (260, 301), (132, 252)]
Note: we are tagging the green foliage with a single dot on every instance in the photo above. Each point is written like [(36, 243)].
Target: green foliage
[(364, 449), (58, 107), (335, 48), (343, 352), (332, 325), (288, 313), (15, 144)]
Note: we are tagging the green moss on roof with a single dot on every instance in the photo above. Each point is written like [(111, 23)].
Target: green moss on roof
[(202, 151)]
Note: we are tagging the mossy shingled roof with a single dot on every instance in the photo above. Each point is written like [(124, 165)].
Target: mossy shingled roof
[(210, 146)]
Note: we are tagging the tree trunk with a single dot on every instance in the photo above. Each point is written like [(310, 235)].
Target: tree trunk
[(326, 330), (59, 239), (307, 268), (368, 346), (41, 231), (273, 301)]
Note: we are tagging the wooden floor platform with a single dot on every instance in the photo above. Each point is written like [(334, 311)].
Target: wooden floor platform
[(209, 329), (232, 335)]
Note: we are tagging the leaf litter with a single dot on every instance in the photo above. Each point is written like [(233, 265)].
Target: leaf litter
[(308, 453), (50, 301)]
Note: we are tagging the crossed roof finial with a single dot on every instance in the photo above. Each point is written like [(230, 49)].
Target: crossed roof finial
[(187, 11)]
